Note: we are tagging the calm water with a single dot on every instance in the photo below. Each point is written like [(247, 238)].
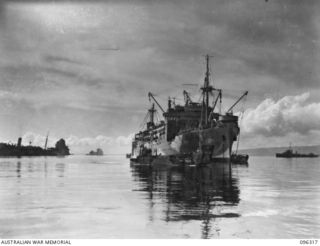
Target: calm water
[(105, 197)]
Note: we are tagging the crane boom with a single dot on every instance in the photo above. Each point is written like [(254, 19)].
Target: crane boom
[(217, 98), (244, 94), (151, 96)]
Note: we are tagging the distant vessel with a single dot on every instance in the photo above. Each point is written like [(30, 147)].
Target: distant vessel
[(98, 152), (290, 154), (60, 149), (191, 131)]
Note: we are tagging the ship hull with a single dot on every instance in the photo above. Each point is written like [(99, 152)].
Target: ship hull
[(215, 141), (296, 156)]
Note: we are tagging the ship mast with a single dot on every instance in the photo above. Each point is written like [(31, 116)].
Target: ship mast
[(206, 89), (46, 143), (152, 111)]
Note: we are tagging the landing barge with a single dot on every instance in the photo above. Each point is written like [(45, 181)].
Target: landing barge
[(193, 132)]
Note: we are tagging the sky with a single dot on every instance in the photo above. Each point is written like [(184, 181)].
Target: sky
[(81, 70)]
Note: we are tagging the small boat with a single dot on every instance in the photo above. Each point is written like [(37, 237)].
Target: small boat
[(98, 152), (239, 158)]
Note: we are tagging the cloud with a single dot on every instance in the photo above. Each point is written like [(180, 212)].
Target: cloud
[(124, 141), (279, 118), (68, 74), (89, 141), (38, 139), (54, 59), (8, 95)]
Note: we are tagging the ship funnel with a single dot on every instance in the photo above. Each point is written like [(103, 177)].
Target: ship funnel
[(19, 142)]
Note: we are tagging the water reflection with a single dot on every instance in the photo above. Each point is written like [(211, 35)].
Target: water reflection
[(60, 168), (18, 170), (37, 167), (191, 193)]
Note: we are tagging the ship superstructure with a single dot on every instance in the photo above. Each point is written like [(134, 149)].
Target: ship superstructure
[(194, 129)]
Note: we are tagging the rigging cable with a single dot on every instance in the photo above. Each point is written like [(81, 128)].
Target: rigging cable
[(241, 117), (144, 121)]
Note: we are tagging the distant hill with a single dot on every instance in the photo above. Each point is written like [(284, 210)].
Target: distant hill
[(272, 151)]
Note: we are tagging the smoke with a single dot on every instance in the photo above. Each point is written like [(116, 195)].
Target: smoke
[(290, 114)]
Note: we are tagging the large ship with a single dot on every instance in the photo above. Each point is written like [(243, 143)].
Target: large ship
[(193, 130)]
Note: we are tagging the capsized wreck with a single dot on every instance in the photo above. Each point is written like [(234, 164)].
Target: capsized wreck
[(18, 150)]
